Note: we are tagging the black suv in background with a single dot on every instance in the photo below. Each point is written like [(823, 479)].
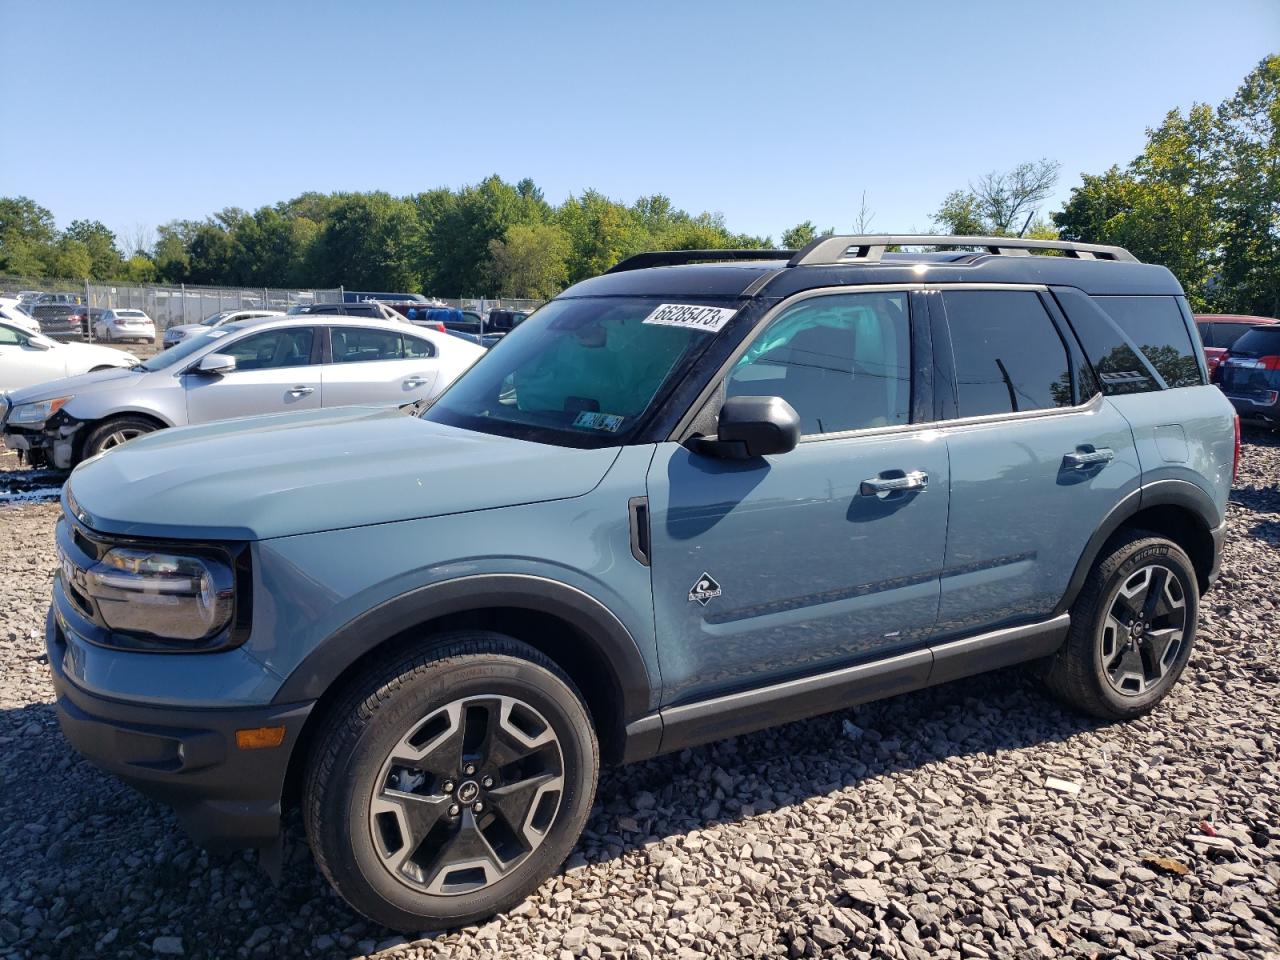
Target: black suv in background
[(65, 321), (1250, 375)]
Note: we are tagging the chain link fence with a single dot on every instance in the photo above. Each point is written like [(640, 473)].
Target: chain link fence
[(171, 305)]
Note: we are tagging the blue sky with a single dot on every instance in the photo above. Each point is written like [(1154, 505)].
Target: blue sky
[(770, 113)]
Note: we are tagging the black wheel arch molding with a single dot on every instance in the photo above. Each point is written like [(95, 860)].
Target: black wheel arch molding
[(1184, 496), (611, 642)]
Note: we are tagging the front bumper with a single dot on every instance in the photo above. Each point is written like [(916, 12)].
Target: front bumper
[(55, 440), (186, 758)]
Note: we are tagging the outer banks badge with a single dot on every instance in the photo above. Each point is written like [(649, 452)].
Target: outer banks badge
[(705, 590)]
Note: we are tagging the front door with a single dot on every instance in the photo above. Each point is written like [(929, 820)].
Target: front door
[(276, 371), (827, 555)]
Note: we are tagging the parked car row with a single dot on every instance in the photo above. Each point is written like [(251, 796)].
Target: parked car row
[(247, 367), (29, 357)]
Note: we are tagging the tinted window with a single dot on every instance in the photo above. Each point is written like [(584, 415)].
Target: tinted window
[(1226, 334), (272, 349), (1008, 354), (843, 362), (415, 348), (1258, 343), (1156, 326), (355, 345)]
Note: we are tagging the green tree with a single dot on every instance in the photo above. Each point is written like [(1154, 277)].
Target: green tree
[(72, 260), (139, 269), (105, 259), (27, 236), (531, 261), (1249, 201), (803, 233), (367, 243), (1000, 202)]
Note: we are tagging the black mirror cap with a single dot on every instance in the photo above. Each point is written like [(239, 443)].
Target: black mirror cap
[(752, 427)]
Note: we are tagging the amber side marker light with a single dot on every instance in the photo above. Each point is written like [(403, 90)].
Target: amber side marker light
[(259, 738)]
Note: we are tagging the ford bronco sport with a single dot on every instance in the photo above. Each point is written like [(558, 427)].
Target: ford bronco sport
[(701, 494)]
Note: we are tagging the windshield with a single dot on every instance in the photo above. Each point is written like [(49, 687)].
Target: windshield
[(216, 319), (582, 372), (182, 350)]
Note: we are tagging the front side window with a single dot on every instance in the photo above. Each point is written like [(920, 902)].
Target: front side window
[(10, 337), (1156, 326), (843, 362), (1009, 357), (359, 345), (583, 372), (273, 349)]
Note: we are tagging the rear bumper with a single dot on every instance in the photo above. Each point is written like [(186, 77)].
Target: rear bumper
[(186, 758), (1256, 408)]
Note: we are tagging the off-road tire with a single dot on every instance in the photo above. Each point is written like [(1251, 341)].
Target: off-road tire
[(101, 437), (371, 716), (1075, 674)]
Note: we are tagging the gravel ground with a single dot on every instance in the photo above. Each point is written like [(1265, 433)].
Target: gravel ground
[(973, 820)]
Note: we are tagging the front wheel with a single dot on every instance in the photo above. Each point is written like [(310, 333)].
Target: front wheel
[(111, 433), (449, 783), (1132, 628)]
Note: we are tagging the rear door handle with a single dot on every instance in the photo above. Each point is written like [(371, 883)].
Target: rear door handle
[(412, 382), (1082, 458), (915, 480), (301, 391)]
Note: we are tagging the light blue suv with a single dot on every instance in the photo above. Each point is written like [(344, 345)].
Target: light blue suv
[(704, 493)]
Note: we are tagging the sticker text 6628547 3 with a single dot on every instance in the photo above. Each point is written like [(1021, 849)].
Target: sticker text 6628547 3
[(690, 316)]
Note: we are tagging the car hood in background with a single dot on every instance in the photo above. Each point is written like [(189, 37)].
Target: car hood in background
[(185, 328), (285, 474), (91, 353), (79, 386)]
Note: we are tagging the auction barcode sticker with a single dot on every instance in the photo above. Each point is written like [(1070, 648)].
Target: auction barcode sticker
[(690, 316)]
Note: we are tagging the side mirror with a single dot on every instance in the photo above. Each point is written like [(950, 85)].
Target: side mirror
[(40, 343), (753, 427), (215, 364)]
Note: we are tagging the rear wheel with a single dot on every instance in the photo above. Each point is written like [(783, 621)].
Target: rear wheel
[(1131, 630), (448, 784), (111, 433)]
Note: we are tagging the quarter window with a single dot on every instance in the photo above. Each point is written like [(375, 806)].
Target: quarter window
[(359, 345), (1156, 326), (416, 348), (843, 362), (272, 349), (1008, 355)]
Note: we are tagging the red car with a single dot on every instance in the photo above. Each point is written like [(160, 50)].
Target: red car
[(1220, 331)]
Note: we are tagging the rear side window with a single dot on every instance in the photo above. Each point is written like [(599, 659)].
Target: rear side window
[(358, 345), (1156, 326), (1264, 342), (1009, 357), (415, 348)]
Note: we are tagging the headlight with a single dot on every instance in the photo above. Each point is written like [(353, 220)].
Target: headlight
[(162, 594), (36, 413)]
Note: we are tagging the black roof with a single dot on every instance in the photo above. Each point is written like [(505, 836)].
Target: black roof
[(776, 278)]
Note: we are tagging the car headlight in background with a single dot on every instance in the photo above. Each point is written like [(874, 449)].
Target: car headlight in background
[(33, 414), (166, 595)]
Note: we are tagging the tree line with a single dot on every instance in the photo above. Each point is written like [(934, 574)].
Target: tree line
[(1202, 198)]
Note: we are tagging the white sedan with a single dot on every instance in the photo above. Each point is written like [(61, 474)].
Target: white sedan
[(11, 312), (122, 324), (30, 358)]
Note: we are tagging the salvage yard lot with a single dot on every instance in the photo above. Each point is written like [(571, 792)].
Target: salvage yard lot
[(921, 826)]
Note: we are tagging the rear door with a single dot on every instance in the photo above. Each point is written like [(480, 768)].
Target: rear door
[(1038, 456), (276, 371), (378, 366), (823, 556)]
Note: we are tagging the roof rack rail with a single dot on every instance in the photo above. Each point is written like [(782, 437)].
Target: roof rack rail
[(869, 248), (671, 258)]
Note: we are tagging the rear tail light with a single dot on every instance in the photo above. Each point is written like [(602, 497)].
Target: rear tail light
[(1235, 459), (119, 323), (1269, 363)]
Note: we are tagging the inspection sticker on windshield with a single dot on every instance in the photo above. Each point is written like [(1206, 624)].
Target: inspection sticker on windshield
[(598, 421), (690, 316)]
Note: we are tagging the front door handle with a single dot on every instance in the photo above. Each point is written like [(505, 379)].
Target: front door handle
[(915, 480), (301, 391), (1082, 458)]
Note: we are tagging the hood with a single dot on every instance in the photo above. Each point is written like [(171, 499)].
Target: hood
[(293, 473), (79, 386), (185, 328)]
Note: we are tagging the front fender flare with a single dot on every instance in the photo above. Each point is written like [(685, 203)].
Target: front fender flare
[(613, 642)]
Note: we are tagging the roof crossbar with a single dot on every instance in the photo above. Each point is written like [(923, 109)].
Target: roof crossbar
[(669, 258), (869, 248)]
